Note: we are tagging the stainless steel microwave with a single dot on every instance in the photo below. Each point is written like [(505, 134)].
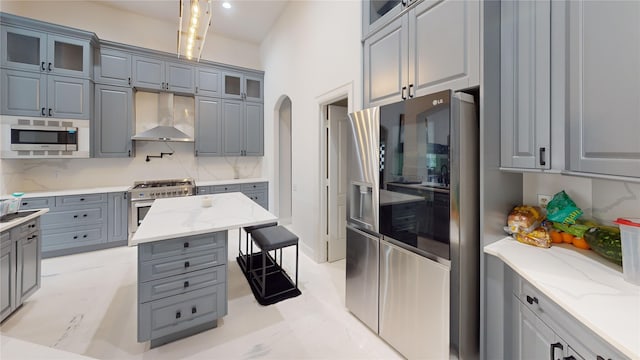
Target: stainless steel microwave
[(24, 137)]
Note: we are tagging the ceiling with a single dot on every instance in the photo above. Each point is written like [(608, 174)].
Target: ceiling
[(248, 20)]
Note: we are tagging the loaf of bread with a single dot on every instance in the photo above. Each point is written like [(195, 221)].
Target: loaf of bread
[(524, 219)]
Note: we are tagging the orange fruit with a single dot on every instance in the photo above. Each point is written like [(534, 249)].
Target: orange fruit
[(556, 238), (566, 237), (580, 243)]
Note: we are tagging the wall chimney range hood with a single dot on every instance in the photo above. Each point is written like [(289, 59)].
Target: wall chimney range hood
[(164, 129)]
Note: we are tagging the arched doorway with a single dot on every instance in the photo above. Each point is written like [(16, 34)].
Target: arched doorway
[(284, 161)]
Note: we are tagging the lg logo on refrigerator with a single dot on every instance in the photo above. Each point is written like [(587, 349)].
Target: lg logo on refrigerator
[(438, 102)]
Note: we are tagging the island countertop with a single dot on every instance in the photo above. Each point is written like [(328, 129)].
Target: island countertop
[(19, 221), (185, 216), (584, 284)]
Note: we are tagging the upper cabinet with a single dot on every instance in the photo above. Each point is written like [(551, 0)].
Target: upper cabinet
[(155, 74), (208, 81), (30, 50), (604, 86), (113, 125), (525, 83), (378, 13), (113, 67), (411, 56), (242, 86)]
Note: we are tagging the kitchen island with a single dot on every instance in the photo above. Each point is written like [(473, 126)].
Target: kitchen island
[(182, 262)]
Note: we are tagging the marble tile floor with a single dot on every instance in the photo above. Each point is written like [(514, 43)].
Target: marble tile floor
[(87, 306)]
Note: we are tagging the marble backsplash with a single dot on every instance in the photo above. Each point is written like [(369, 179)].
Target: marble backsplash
[(602, 200), (64, 174)]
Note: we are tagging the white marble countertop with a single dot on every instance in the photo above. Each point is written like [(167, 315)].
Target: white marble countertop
[(22, 220), (229, 182), (185, 216), (587, 286), (95, 190), (394, 198)]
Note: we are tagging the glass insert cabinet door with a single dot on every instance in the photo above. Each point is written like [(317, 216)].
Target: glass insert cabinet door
[(30, 50), (240, 86)]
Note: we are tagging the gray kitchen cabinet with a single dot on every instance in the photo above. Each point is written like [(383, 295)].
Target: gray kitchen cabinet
[(42, 52), (113, 125), (530, 326), (411, 56), (34, 94), (113, 67), (258, 192), (182, 286), (242, 86), (156, 74), (7, 274), (208, 139), (242, 128), (378, 13), (603, 111), (207, 81), (81, 223), (20, 259), (525, 84), (232, 127), (117, 217)]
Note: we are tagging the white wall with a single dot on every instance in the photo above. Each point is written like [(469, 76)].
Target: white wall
[(313, 48), (284, 162), (115, 25)]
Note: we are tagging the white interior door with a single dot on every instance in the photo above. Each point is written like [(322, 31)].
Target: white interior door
[(337, 183)]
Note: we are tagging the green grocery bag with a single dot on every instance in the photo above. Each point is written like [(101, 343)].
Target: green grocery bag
[(562, 209)]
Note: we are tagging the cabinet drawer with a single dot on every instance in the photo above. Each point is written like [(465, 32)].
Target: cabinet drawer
[(181, 246), (226, 188), (180, 284), (27, 228), (254, 186), (74, 217), (203, 190), (260, 197), (182, 264), (176, 313), (80, 199), (37, 203), (73, 238)]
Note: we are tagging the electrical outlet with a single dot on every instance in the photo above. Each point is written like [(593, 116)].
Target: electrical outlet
[(543, 200)]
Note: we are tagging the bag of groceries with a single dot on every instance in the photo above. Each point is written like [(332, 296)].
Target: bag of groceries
[(525, 224)]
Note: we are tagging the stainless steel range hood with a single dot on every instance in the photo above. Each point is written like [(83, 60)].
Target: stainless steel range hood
[(164, 129)]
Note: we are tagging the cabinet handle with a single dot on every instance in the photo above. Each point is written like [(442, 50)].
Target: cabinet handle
[(84, 236), (404, 2), (186, 245), (404, 97), (49, 68), (129, 80), (194, 310), (42, 66), (542, 151), (42, 112), (552, 350), (50, 114), (570, 357), (163, 85), (167, 86), (410, 87), (196, 89), (601, 358), (532, 300), (81, 199), (85, 215), (186, 284), (178, 315), (129, 153), (75, 237), (75, 216), (186, 264), (25, 203)]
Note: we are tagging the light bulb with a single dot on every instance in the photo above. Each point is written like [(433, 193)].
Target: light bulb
[(192, 30), (196, 9), (194, 20), (226, 5)]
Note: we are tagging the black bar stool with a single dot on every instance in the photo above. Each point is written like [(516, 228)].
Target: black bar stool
[(243, 256), (272, 238)]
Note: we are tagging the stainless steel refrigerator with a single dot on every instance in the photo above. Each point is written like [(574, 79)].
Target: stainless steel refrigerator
[(412, 268)]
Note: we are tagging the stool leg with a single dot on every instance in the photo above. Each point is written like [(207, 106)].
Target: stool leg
[(264, 274), (250, 255), (296, 266)]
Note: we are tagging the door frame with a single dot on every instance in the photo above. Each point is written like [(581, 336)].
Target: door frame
[(323, 101)]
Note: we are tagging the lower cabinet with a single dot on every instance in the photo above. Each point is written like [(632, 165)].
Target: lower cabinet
[(80, 223), (258, 192), (20, 265), (535, 327), (182, 286)]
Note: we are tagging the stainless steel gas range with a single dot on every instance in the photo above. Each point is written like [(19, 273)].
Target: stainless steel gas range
[(143, 193)]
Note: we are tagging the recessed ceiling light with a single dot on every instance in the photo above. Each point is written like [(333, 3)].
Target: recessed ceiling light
[(226, 5)]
